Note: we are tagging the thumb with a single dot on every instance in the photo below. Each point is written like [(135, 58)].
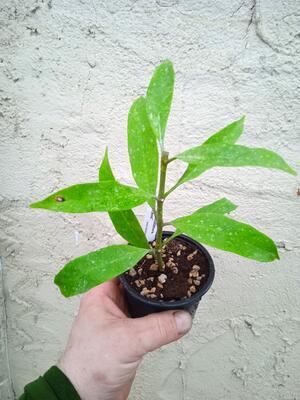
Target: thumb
[(156, 330)]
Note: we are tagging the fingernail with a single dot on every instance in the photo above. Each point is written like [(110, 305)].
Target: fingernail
[(183, 321)]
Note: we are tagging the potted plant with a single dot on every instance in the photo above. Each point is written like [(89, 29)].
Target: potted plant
[(175, 270)]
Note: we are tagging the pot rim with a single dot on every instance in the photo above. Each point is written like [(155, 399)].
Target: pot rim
[(177, 303)]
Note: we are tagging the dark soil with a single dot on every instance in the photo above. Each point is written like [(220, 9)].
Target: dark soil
[(185, 272)]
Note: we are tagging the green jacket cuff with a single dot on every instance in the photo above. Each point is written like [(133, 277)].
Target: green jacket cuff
[(54, 385)]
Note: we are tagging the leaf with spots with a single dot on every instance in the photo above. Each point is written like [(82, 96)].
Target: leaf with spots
[(201, 159), (228, 135), (207, 156), (222, 206), (159, 98), (192, 171), (221, 232), (125, 222), (91, 197), (105, 171), (90, 270), (142, 147), (127, 225)]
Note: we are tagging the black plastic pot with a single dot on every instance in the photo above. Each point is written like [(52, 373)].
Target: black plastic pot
[(140, 306)]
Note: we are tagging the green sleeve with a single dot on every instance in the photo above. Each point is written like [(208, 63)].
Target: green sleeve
[(54, 385)]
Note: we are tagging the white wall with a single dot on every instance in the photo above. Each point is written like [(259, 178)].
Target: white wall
[(69, 73), (5, 378)]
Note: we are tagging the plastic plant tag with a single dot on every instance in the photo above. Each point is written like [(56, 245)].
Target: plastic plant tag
[(149, 224)]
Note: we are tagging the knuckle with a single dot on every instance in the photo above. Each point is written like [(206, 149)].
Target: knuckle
[(162, 328)]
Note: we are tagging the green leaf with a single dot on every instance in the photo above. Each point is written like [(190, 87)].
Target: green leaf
[(222, 206), (204, 157), (91, 197), (142, 147), (105, 171), (159, 98), (125, 222), (229, 134), (223, 233), (192, 171), (201, 159), (127, 225), (92, 269)]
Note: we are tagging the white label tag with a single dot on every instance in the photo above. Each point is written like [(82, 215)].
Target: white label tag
[(149, 224)]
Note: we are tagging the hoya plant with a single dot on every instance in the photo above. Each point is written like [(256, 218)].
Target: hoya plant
[(149, 160)]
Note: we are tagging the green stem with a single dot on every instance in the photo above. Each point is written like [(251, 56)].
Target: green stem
[(159, 209), (171, 159), (171, 190), (154, 212)]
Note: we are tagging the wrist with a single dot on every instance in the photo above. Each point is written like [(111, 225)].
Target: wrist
[(89, 386), (75, 376)]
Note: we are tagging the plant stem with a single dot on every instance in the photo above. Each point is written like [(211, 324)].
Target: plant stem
[(159, 209), (171, 190), (171, 159)]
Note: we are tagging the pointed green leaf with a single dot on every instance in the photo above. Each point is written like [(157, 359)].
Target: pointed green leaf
[(142, 147), (229, 134), (92, 269), (223, 233), (91, 197), (159, 98), (127, 225), (125, 222), (222, 206), (202, 158), (105, 171), (192, 171)]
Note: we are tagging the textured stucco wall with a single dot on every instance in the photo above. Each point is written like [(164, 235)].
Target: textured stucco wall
[(69, 72), (5, 379)]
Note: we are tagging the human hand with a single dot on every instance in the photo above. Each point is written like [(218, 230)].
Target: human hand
[(105, 346)]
